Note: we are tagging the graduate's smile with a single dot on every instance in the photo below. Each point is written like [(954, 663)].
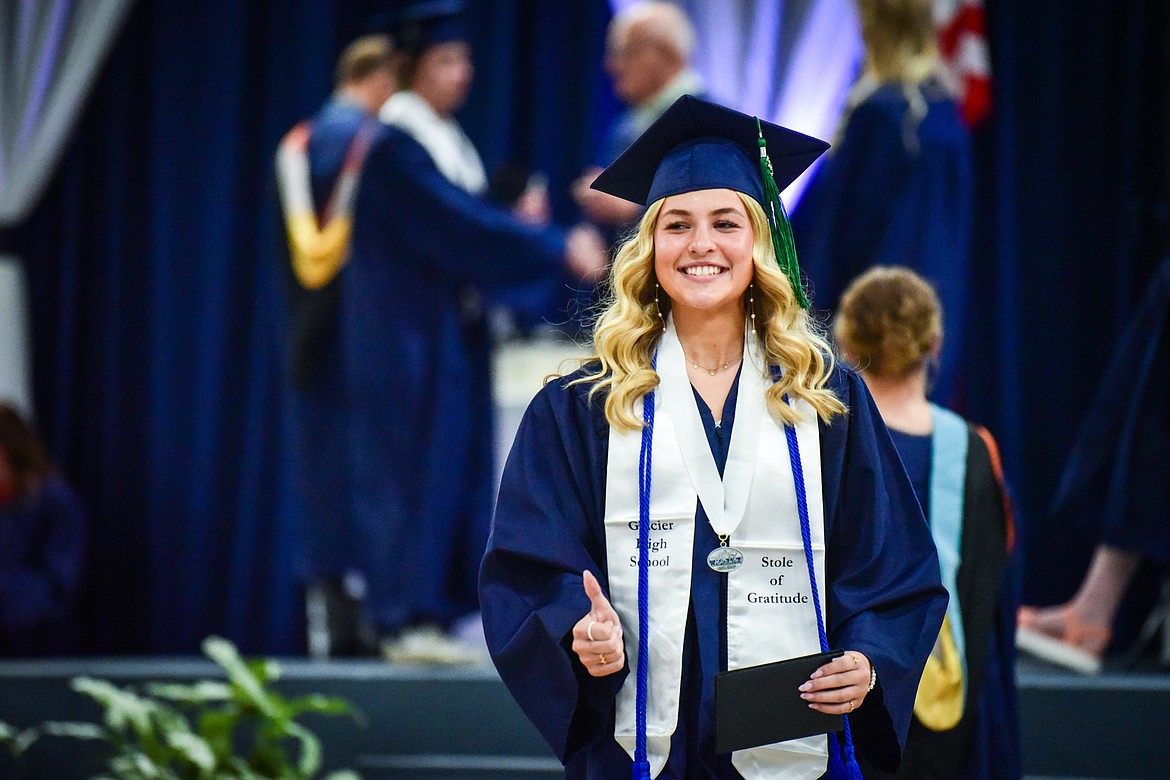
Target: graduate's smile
[(703, 271), (703, 244)]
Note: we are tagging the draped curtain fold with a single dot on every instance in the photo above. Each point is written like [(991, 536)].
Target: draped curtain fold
[(50, 53)]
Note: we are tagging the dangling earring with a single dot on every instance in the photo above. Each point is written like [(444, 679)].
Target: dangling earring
[(658, 307), (752, 304)]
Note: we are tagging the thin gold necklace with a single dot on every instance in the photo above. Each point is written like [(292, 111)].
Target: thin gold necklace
[(712, 371)]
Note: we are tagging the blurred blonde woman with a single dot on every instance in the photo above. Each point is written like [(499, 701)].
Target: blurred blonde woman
[(890, 327), (899, 184), (709, 493)]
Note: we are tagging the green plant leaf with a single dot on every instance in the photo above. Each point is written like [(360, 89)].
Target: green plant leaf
[(326, 705), (75, 730), (169, 721), (194, 748), (216, 727), (200, 692), (343, 774), (135, 764), (151, 736), (125, 709), (243, 771), (269, 758), (243, 680), (122, 707), (310, 760), (18, 740), (264, 669)]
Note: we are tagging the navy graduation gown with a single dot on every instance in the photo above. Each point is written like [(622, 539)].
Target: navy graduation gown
[(984, 744), (416, 360), (1116, 483), (891, 197), (884, 595), (313, 357), (42, 549)]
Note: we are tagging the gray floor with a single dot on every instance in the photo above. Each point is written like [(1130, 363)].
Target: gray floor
[(518, 372)]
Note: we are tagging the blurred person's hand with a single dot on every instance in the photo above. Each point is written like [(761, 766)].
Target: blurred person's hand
[(601, 207), (586, 254), (533, 204)]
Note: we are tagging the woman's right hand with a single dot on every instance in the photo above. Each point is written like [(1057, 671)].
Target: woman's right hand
[(597, 637)]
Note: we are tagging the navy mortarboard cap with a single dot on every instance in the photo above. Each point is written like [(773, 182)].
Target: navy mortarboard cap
[(699, 145), (418, 26)]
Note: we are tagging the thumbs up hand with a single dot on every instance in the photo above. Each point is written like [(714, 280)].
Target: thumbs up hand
[(597, 637)]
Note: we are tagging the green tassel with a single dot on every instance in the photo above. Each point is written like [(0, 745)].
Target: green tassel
[(781, 229)]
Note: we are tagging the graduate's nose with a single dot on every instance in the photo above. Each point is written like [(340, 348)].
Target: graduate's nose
[(701, 240)]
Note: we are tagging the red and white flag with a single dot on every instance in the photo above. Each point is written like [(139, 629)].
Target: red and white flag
[(962, 40)]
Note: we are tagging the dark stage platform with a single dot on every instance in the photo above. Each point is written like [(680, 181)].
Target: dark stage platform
[(427, 723)]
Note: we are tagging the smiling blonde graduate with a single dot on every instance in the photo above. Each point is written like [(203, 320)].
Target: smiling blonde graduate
[(710, 492)]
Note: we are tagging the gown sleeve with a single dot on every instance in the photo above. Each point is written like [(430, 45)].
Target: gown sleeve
[(886, 598), (451, 232), (546, 531)]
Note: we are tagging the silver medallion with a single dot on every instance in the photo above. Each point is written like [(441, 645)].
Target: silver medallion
[(724, 559)]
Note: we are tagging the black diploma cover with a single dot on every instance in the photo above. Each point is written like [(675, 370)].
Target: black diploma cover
[(759, 705)]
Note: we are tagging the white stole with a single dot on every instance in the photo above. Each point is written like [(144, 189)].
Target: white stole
[(449, 147), (770, 615)]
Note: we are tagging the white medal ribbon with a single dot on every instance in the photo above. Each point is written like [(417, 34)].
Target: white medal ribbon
[(724, 500), (770, 614)]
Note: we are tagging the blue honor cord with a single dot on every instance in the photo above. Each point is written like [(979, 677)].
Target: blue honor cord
[(839, 766), (641, 770)]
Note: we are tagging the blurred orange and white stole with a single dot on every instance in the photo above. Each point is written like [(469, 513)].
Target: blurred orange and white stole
[(318, 247), (770, 615)]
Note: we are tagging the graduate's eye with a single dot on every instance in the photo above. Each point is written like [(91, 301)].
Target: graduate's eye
[(726, 224), (677, 226)]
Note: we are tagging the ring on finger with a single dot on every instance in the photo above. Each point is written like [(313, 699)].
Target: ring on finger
[(603, 661), (589, 630), (852, 706)]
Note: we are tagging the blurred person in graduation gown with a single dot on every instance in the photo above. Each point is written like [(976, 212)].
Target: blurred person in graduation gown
[(319, 166), (767, 463), (649, 46), (648, 53), (455, 256), (42, 546), (401, 466), (1115, 490), (897, 188), (965, 726), (436, 72)]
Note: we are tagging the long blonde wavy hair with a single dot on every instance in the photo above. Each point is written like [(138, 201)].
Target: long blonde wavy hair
[(628, 329)]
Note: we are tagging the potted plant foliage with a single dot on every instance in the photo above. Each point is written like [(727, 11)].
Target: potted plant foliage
[(238, 728)]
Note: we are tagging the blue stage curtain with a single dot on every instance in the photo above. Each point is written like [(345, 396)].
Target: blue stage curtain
[(1070, 225), (155, 297), (156, 300)]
